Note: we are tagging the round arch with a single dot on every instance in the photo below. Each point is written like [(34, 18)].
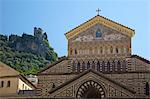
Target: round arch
[(90, 89)]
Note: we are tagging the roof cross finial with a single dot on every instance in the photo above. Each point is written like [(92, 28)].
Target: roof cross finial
[(98, 10)]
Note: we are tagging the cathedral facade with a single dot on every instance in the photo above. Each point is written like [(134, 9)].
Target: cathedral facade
[(99, 65)]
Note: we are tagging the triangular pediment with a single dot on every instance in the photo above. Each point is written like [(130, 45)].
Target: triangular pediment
[(100, 20), (99, 32), (91, 75)]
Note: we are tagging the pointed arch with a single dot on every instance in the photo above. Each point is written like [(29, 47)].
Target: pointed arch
[(103, 66), (118, 66), (117, 51), (83, 66), (113, 66), (88, 65), (108, 66), (78, 67), (90, 89), (93, 65), (75, 51), (124, 65), (98, 66)]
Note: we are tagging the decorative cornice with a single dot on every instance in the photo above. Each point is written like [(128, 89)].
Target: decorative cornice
[(102, 20)]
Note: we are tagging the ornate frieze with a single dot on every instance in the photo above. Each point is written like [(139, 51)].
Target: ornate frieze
[(101, 20), (112, 37), (86, 38)]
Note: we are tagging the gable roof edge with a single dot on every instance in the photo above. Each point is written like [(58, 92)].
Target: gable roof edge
[(141, 58), (69, 34), (53, 64)]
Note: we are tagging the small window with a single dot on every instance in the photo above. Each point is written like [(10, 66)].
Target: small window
[(53, 85), (75, 51), (83, 66), (78, 67), (25, 87), (2, 83), (98, 34), (88, 65), (8, 83), (116, 50), (98, 66), (22, 86), (147, 88)]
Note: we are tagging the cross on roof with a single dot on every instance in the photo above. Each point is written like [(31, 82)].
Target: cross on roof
[(98, 10)]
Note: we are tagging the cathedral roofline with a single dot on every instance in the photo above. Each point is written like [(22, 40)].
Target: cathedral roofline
[(141, 58), (103, 20), (53, 64), (99, 74)]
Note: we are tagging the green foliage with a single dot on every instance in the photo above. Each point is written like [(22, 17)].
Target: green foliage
[(3, 38), (24, 61)]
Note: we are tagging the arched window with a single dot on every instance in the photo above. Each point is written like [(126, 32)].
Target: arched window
[(147, 88), (98, 34), (2, 83), (98, 66), (83, 66), (88, 65), (117, 50), (53, 85), (93, 65), (78, 67), (8, 83), (113, 66), (108, 66), (103, 66), (118, 66), (124, 65), (75, 51)]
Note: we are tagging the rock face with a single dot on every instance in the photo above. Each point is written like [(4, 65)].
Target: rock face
[(36, 44), (27, 53)]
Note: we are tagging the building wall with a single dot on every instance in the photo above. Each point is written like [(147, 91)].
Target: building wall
[(48, 82), (13, 85), (16, 84), (111, 44), (110, 55), (23, 86), (134, 81)]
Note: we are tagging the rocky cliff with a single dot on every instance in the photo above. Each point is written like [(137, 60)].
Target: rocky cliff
[(27, 53)]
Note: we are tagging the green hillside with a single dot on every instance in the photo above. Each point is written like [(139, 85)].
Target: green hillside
[(27, 53)]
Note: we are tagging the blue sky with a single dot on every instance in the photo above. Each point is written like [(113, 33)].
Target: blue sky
[(56, 17)]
